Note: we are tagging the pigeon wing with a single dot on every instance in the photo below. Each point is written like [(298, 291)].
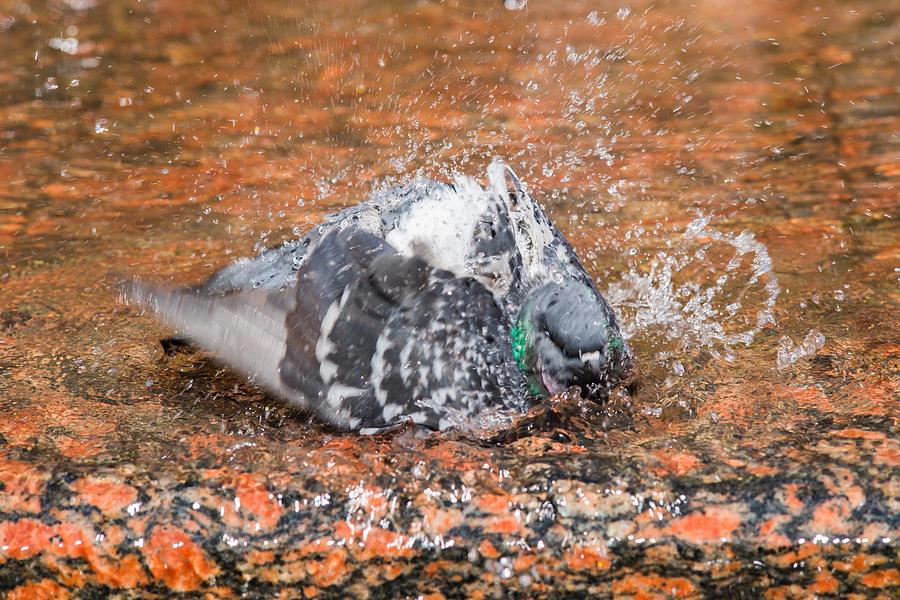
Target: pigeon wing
[(377, 338), (272, 270), (276, 268)]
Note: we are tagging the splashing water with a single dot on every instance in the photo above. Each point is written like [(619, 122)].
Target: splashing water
[(486, 420), (712, 296), (788, 353)]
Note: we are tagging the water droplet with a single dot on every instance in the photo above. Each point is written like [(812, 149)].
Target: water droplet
[(788, 353)]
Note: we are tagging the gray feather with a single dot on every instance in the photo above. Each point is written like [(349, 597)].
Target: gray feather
[(244, 329)]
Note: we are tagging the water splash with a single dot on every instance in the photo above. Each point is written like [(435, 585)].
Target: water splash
[(789, 353), (376, 96), (714, 296), (486, 420)]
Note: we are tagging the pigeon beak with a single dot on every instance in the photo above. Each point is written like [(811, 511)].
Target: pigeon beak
[(591, 360), (553, 386)]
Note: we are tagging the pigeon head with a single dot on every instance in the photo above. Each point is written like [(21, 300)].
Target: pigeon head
[(567, 335)]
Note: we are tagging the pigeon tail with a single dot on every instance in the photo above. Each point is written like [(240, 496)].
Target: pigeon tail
[(245, 329)]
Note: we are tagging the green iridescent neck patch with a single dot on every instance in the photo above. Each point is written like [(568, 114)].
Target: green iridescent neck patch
[(615, 342), (518, 336), (521, 339)]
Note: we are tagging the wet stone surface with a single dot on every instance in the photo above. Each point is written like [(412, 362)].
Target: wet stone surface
[(730, 178)]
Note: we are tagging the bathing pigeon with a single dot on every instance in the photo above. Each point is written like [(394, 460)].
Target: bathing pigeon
[(436, 303)]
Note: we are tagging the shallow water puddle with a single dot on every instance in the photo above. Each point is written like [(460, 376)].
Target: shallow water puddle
[(728, 176)]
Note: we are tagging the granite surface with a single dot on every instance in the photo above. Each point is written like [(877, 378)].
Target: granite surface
[(169, 137), (397, 516)]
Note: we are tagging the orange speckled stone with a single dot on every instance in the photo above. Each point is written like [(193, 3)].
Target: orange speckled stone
[(44, 589), (175, 559), (251, 493), (25, 538), (108, 496), (710, 525), (647, 587)]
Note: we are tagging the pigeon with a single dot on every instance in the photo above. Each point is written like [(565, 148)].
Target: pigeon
[(440, 304)]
